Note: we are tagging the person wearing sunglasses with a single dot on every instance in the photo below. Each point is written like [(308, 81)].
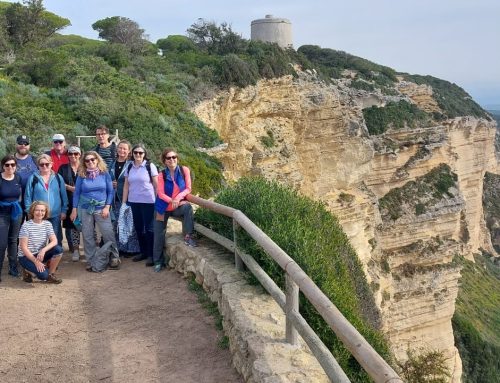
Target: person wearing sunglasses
[(69, 172), (174, 184), (139, 192), (48, 186), (26, 163), (58, 153), (92, 201), (10, 213)]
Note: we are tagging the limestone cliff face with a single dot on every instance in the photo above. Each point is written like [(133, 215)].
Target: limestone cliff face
[(312, 136)]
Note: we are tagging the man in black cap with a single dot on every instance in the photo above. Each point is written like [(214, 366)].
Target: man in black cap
[(26, 164)]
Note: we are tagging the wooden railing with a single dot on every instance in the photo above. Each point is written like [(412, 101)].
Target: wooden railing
[(297, 280)]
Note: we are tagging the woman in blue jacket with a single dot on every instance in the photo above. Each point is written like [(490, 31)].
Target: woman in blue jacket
[(45, 185), (92, 201)]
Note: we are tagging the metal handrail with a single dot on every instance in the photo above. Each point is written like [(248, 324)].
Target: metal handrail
[(376, 367)]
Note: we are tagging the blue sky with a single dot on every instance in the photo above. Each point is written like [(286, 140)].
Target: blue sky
[(457, 40)]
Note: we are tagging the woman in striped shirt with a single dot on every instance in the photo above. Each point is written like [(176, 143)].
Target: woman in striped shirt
[(38, 245)]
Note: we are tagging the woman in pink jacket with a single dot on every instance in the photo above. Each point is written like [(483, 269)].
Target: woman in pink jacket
[(174, 184)]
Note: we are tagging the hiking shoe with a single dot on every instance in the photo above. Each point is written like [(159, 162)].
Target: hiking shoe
[(189, 241), (76, 256), (27, 277), (53, 279)]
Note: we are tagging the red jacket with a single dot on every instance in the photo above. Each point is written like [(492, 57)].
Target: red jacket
[(58, 160)]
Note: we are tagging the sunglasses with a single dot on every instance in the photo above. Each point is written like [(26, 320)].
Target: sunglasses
[(171, 158), (138, 153), (10, 165), (23, 143), (58, 141), (44, 164), (73, 154), (87, 160)]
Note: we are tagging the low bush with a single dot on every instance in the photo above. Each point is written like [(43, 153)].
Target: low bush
[(312, 236), (395, 115), (453, 100), (417, 196), (476, 322)]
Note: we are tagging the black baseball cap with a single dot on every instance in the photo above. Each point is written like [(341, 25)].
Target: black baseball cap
[(22, 139)]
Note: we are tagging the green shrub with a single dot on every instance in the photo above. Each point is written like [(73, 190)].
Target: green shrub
[(418, 195), (453, 100), (476, 323), (425, 367), (331, 63), (312, 236), (396, 115)]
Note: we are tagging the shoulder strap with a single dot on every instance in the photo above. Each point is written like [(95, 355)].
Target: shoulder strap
[(148, 168), (33, 183)]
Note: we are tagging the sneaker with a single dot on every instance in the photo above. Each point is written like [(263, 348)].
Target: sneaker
[(27, 277), (189, 241), (158, 267), (150, 262), (76, 256), (53, 279)]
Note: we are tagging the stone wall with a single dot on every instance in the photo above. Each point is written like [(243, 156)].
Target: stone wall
[(253, 321)]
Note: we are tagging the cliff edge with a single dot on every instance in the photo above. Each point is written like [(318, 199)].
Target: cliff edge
[(410, 198)]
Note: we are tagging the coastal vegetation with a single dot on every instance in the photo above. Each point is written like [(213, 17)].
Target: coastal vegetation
[(417, 197), (476, 323), (395, 115), (312, 236), (52, 83)]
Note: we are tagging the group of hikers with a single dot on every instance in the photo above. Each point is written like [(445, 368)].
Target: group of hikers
[(113, 189)]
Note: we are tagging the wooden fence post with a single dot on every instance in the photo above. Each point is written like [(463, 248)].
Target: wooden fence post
[(292, 303), (238, 262)]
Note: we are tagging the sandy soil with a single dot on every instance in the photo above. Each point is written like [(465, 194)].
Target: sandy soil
[(129, 325)]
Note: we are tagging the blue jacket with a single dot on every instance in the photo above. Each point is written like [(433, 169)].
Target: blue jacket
[(56, 198)]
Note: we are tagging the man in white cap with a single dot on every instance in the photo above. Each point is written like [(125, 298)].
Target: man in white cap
[(58, 153)]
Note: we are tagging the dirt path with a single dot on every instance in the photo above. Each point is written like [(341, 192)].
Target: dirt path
[(130, 325)]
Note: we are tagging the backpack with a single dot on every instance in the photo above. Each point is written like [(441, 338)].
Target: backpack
[(148, 168)]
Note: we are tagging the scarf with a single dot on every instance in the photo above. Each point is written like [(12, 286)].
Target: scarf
[(92, 174)]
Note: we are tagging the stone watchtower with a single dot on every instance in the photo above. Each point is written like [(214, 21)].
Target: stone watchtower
[(272, 30)]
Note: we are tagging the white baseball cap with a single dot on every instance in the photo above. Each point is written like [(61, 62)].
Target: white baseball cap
[(58, 137)]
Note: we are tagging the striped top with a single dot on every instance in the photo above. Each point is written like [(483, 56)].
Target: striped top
[(37, 233)]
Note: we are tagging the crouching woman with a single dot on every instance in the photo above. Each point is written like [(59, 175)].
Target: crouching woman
[(38, 245)]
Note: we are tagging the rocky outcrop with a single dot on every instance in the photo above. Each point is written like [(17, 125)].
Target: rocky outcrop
[(312, 137)]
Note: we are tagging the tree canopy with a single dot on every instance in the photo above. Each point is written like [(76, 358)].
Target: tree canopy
[(122, 30), (27, 23)]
